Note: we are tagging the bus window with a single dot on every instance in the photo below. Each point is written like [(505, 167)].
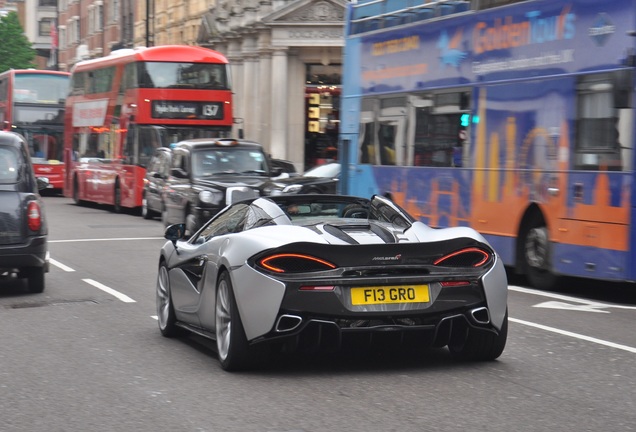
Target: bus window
[(149, 141), (598, 144), (440, 129)]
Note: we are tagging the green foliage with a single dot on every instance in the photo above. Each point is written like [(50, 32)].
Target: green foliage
[(16, 51)]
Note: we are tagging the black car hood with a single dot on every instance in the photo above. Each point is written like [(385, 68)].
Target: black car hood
[(303, 180), (231, 181)]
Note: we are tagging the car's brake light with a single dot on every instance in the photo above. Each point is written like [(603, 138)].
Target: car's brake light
[(446, 284), (294, 263), (317, 288), (468, 257), (34, 216)]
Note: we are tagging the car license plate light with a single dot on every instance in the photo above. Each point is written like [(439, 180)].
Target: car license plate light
[(361, 296)]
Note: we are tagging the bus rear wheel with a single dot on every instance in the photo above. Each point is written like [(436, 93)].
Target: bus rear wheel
[(537, 257)]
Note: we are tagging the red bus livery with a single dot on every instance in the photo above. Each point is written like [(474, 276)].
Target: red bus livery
[(123, 106), (32, 104)]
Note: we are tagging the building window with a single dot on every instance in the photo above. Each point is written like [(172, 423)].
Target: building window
[(114, 11), (52, 3), (62, 41), (44, 26), (99, 16)]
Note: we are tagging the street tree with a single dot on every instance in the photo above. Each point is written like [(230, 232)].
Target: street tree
[(16, 51)]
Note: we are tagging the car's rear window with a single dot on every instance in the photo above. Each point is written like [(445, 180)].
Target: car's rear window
[(10, 161)]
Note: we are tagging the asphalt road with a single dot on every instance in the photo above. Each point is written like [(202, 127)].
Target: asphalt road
[(86, 355)]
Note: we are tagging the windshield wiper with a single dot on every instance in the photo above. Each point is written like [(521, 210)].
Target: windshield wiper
[(259, 172)]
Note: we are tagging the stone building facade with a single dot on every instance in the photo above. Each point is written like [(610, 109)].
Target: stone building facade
[(286, 63), (285, 58)]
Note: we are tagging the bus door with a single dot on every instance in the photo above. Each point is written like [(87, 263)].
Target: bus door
[(391, 134)]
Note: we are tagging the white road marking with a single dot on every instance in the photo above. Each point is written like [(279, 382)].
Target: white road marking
[(572, 307), (60, 265), (154, 317), (106, 239), (575, 335), (556, 296), (117, 294)]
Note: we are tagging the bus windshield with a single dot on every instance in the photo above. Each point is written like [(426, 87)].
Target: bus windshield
[(182, 75), (41, 89), (44, 143)]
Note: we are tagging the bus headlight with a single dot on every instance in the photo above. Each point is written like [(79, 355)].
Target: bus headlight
[(211, 197)]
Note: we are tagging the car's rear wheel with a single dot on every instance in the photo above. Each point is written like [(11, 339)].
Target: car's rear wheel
[(191, 224), (35, 280), (76, 198), (164, 216), (232, 346), (117, 198), (146, 213), (479, 345), (165, 309)]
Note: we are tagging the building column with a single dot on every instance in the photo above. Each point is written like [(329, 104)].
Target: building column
[(278, 141), (264, 97), (236, 66), (250, 89)]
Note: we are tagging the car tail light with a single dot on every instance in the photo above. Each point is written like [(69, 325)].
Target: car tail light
[(294, 263), (469, 257), (317, 288), (448, 284), (34, 216)]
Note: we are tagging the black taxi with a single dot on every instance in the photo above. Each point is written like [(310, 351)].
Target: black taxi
[(23, 229), (207, 174)]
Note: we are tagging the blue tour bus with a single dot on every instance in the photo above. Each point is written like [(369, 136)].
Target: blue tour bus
[(514, 117)]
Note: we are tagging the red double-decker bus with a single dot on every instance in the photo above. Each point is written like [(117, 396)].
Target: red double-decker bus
[(32, 104), (123, 106)]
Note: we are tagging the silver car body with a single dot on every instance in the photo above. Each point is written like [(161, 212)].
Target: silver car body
[(196, 264)]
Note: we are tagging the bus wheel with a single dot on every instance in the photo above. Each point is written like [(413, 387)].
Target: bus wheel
[(117, 198), (537, 257)]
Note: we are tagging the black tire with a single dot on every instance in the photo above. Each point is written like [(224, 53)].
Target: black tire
[(117, 198), (191, 224), (165, 309), (164, 216), (234, 352), (35, 280), (146, 213), (76, 199), (479, 345), (537, 257)]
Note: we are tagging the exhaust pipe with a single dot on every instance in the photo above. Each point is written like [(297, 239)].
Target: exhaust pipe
[(480, 315), (287, 323)]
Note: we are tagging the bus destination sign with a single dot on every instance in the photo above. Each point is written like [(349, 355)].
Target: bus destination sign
[(187, 110)]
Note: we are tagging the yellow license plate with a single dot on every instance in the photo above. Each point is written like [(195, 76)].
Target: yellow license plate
[(389, 294)]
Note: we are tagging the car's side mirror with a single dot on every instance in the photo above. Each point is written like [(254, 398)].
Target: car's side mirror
[(178, 173), (42, 182), (175, 232)]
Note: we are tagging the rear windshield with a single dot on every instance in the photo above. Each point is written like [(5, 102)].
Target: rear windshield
[(10, 161)]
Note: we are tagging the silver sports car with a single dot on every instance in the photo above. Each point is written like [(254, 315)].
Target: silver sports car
[(324, 272)]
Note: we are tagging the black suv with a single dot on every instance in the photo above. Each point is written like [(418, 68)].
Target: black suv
[(23, 229), (208, 174)]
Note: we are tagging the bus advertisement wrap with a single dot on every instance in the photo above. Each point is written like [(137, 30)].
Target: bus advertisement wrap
[(516, 121)]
